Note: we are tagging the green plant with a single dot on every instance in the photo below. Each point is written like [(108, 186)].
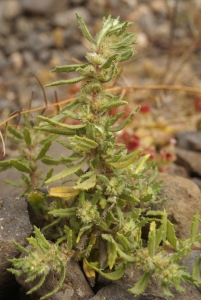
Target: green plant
[(31, 146), (102, 214)]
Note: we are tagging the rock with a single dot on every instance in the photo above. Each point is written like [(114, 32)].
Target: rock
[(12, 9), (174, 169), (68, 18), (184, 200), (114, 292), (189, 140), (191, 160), (77, 50), (75, 286), (28, 57), (14, 45), (142, 40), (197, 181), (14, 225), (24, 26), (37, 42), (16, 60), (194, 141), (158, 7), (44, 7)]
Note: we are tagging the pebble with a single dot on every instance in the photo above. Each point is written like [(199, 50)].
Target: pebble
[(67, 18), (158, 7), (12, 9), (44, 7), (16, 60)]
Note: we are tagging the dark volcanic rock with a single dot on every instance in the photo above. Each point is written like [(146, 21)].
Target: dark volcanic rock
[(191, 160), (14, 225)]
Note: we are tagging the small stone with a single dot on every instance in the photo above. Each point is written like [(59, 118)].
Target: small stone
[(44, 7), (114, 292), (12, 9), (37, 42), (28, 57), (189, 140), (44, 56), (68, 18), (142, 40), (191, 160), (158, 6), (16, 60), (77, 51)]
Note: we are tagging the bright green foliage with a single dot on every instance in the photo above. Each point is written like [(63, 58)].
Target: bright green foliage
[(109, 202)]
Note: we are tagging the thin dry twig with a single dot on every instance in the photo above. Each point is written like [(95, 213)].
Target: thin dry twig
[(3, 144)]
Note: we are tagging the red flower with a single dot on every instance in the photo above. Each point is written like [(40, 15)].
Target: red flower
[(197, 103), (131, 140), (146, 108)]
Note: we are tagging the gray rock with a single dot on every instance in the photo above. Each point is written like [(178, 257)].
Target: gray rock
[(44, 55), (16, 60), (184, 200), (12, 9), (189, 140), (3, 62), (39, 41), (197, 181), (174, 169), (191, 160), (28, 57), (68, 18), (75, 286), (44, 7), (77, 51), (24, 26), (14, 45), (14, 225), (114, 292)]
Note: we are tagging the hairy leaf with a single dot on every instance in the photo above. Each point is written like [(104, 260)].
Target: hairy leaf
[(66, 172), (84, 29), (117, 274), (64, 212), (125, 122), (27, 136), (171, 237), (68, 68), (63, 192), (87, 184), (43, 151), (61, 124), (141, 285), (197, 270), (16, 133), (69, 81), (82, 143), (126, 160), (20, 165)]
